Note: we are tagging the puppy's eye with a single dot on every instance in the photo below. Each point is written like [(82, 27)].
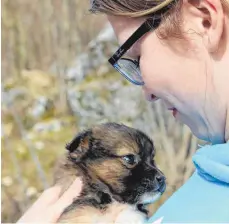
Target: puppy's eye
[(130, 160)]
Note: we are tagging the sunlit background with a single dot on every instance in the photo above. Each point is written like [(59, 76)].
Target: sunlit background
[(55, 82)]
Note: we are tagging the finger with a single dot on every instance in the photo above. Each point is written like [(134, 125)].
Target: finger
[(49, 196), (68, 196)]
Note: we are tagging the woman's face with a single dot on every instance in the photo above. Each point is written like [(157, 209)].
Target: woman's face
[(181, 74)]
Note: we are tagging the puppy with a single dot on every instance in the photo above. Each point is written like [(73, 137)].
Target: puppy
[(116, 165)]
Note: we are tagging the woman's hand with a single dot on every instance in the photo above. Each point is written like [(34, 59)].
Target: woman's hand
[(50, 205)]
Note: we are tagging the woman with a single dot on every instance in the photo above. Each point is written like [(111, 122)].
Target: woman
[(179, 52)]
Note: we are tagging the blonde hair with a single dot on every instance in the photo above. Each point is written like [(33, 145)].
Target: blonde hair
[(132, 11), (135, 8), (140, 8)]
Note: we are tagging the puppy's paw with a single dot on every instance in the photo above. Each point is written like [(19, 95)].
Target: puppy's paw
[(131, 216)]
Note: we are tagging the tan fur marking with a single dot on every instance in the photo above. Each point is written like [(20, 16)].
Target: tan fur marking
[(110, 171), (127, 150)]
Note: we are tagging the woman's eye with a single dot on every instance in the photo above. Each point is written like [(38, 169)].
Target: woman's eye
[(130, 159)]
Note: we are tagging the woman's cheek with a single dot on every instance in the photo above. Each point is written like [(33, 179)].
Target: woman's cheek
[(153, 79)]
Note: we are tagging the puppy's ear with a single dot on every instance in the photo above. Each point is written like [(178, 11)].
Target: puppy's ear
[(79, 146)]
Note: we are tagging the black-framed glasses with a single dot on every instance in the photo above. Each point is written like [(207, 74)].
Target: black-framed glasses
[(127, 67)]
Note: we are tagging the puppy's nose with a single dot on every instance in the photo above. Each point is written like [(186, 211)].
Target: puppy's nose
[(160, 179)]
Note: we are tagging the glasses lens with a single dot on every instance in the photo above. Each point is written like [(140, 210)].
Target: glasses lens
[(130, 70)]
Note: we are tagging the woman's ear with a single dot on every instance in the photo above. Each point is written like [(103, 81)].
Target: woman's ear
[(208, 19)]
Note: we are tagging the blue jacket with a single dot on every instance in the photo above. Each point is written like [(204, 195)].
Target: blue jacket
[(204, 198)]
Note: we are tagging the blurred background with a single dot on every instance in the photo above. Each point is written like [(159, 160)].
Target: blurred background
[(56, 82)]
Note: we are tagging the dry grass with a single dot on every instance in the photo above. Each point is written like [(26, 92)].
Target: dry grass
[(40, 32), (44, 34)]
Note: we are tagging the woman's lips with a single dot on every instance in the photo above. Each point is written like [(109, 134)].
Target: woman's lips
[(154, 98)]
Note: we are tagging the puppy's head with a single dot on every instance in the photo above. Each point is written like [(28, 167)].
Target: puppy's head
[(122, 160)]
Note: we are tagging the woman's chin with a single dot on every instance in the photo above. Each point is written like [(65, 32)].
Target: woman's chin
[(201, 136), (202, 133), (197, 129)]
